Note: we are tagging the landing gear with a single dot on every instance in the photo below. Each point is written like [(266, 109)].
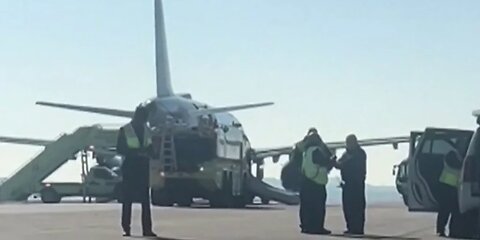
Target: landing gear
[(50, 195), (160, 197), (224, 197), (184, 200), (165, 198)]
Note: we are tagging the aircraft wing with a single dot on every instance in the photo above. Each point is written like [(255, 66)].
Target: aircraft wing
[(25, 141), (44, 143), (105, 111), (276, 152), (231, 108)]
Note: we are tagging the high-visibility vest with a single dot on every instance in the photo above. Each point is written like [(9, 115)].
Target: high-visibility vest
[(311, 170), (132, 138), (450, 176)]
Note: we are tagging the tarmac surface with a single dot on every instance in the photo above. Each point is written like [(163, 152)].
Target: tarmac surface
[(75, 221)]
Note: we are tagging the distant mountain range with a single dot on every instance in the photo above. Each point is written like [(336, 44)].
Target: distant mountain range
[(2, 180), (374, 194)]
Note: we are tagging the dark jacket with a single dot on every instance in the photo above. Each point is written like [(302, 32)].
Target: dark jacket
[(353, 166), (318, 157), (135, 168)]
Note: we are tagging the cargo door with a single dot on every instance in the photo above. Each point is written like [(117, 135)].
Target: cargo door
[(426, 165), (469, 190)]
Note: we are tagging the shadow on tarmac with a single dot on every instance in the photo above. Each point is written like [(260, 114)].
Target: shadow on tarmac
[(248, 208), (372, 236), (155, 238)]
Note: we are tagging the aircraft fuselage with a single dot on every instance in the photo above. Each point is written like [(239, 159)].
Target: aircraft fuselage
[(210, 152)]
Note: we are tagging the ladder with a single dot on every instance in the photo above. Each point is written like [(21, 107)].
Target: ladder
[(85, 172), (168, 157)]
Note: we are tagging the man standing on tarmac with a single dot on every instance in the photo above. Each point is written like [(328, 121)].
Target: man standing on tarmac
[(353, 168), (313, 195), (135, 144)]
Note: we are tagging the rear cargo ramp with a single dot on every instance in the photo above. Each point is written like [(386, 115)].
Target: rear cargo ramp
[(266, 191)]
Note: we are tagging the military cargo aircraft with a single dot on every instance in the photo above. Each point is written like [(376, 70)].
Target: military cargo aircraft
[(209, 154)]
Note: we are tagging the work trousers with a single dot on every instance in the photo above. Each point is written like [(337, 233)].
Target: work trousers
[(127, 216), (313, 198), (354, 204), (448, 209)]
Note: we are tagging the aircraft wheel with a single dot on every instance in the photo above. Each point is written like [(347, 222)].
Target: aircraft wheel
[(240, 201), (184, 201), (160, 197), (220, 201), (223, 198), (103, 200), (50, 195), (245, 198), (265, 201)]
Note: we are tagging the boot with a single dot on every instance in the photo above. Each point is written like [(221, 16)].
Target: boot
[(149, 234)]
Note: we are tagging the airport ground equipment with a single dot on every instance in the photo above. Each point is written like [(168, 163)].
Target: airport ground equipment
[(100, 183), (28, 179)]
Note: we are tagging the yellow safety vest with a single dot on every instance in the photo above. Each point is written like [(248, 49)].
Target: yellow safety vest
[(313, 171), (132, 138), (450, 176)]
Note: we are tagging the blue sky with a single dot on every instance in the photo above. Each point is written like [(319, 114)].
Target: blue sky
[(374, 68)]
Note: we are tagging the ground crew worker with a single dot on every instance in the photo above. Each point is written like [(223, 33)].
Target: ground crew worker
[(315, 168), (448, 196), (353, 169), (291, 175), (134, 143)]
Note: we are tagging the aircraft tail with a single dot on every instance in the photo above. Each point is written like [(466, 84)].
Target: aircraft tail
[(164, 86)]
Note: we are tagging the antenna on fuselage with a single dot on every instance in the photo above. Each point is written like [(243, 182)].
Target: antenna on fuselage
[(164, 86)]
